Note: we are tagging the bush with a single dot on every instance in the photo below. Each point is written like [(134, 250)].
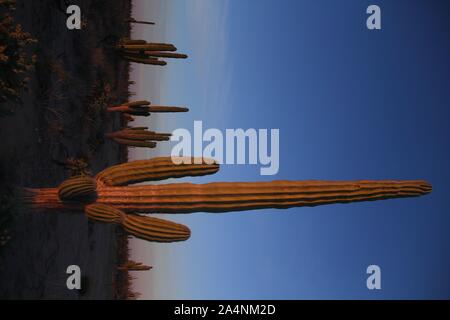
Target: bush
[(15, 62)]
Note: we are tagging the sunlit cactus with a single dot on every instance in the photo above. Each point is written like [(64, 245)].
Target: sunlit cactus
[(154, 170), (146, 228), (112, 189), (134, 266)]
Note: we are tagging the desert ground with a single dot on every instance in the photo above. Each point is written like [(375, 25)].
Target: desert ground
[(77, 73)]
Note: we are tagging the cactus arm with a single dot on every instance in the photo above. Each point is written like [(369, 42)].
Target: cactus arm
[(153, 170), (146, 228)]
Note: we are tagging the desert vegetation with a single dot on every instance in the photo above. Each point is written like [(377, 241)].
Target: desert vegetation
[(144, 108), (75, 109), (138, 137), (15, 58), (141, 51), (111, 197)]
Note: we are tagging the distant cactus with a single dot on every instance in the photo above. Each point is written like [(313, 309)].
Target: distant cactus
[(132, 20), (140, 51), (134, 266), (135, 143), (151, 61), (144, 108), (146, 228), (148, 47), (138, 137), (139, 134)]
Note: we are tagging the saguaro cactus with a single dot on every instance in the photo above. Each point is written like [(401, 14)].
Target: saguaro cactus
[(134, 266), (138, 137), (132, 20), (141, 51), (112, 190), (144, 108)]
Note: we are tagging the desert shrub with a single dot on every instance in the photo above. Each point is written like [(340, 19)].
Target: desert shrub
[(15, 60)]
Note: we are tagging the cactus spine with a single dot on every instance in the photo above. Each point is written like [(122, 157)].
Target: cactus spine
[(146, 228)]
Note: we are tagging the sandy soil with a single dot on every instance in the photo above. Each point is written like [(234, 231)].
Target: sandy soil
[(76, 72)]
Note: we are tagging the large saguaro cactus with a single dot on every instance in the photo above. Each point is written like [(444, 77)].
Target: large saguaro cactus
[(113, 189)]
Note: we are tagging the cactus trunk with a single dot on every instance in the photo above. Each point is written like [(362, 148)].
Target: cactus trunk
[(235, 196)]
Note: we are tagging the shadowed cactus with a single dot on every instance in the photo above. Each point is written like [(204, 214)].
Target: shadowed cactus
[(140, 51), (134, 266), (132, 20), (135, 143), (147, 47), (139, 134), (146, 228), (138, 137), (143, 108), (150, 61)]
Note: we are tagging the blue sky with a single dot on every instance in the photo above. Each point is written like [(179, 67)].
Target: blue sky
[(350, 104)]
